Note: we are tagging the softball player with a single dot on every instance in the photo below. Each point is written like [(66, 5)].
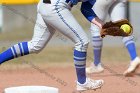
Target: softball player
[(117, 11), (55, 15)]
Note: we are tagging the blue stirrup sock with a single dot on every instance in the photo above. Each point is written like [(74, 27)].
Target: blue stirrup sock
[(130, 45), (97, 49), (17, 50), (80, 65)]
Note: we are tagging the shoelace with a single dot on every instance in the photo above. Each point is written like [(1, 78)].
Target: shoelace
[(94, 83)]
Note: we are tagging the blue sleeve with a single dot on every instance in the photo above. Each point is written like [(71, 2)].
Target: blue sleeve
[(87, 11)]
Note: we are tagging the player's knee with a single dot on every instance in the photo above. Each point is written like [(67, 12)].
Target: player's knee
[(85, 43), (35, 47), (82, 45), (129, 38), (95, 31)]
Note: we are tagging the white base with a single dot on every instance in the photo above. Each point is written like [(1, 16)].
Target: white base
[(31, 89)]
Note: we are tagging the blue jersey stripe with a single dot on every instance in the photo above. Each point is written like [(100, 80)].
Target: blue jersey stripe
[(61, 17)]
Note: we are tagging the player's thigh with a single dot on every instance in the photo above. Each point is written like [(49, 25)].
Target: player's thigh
[(101, 8), (118, 11), (42, 34), (62, 20)]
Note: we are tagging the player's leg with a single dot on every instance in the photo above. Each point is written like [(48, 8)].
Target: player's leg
[(63, 21), (120, 8), (97, 43), (101, 9), (41, 36)]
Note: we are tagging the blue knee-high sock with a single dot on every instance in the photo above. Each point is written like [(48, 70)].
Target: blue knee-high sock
[(80, 64), (130, 45), (17, 50), (97, 45)]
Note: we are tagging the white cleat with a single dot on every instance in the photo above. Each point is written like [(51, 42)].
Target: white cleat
[(132, 68), (90, 85), (94, 69)]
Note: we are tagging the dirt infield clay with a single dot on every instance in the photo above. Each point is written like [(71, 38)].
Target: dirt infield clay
[(64, 79)]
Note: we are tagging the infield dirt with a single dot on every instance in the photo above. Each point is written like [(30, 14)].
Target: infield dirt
[(63, 77)]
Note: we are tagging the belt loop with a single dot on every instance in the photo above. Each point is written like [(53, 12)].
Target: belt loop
[(47, 1)]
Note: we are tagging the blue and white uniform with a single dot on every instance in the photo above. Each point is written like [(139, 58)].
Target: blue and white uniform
[(57, 17)]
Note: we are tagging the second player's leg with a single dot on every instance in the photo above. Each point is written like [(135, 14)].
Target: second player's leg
[(120, 8), (97, 43), (118, 11)]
